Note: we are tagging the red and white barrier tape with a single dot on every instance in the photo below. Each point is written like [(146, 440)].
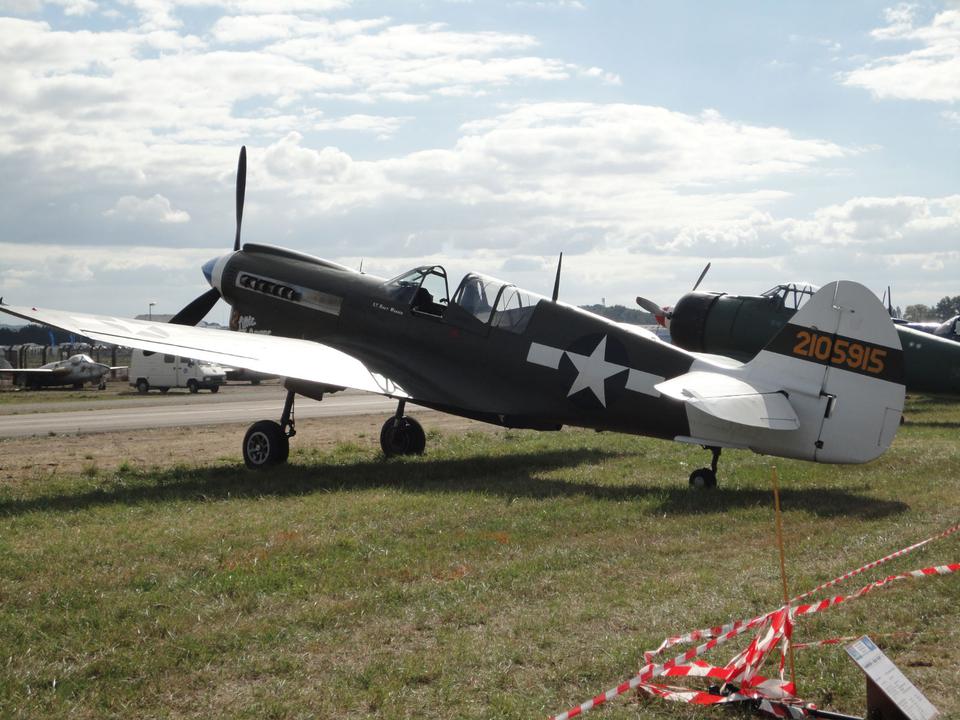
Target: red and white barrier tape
[(776, 697), (706, 633)]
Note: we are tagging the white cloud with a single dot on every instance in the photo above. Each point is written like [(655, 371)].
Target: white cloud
[(929, 73), (156, 209), (562, 175), (884, 225), (65, 93)]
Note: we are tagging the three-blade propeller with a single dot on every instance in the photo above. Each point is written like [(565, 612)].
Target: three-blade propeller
[(196, 310), (664, 314)]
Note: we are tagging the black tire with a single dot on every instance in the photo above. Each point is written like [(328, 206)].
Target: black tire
[(215, 388), (265, 445), (102, 385), (164, 390), (407, 439), (703, 478), (193, 387), (255, 381), (143, 387)]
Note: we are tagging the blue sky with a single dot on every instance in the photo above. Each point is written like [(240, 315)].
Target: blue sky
[(780, 141)]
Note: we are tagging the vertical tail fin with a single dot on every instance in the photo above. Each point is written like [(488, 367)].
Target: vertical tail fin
[(840, 362)]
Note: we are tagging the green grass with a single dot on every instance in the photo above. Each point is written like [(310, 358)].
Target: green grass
[(511, 575), (13, 396)]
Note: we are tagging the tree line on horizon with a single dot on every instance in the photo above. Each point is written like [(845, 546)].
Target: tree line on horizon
[(945, 309)]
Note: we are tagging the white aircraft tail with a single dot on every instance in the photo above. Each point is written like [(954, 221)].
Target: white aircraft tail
[(840, 362), (837, 365)]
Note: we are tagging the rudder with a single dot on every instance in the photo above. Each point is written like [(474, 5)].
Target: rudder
[(840, 361)]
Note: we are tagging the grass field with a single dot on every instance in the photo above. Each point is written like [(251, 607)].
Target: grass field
[(506, 574), (116, 389)]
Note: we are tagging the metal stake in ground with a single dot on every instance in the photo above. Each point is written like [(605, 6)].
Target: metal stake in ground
[(783, 564)]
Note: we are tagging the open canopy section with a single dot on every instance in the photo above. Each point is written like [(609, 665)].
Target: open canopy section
[(487, 300), (424, 289)]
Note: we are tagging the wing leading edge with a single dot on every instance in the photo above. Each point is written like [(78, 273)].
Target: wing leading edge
[(289, 357)]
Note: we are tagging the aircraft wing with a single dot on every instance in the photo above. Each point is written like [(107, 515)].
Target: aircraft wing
[(732, 400), (33, 371), (301, 359)]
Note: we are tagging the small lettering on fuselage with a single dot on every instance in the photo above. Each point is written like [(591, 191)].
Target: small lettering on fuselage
[(387, 308), (248, 323)]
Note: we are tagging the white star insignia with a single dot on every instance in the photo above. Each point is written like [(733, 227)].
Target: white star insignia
[(593, 370)]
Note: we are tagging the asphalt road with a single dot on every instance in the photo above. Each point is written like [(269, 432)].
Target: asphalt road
[(231, 405)]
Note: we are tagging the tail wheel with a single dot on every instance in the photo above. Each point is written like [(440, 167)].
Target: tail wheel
[(407, 438), (265, 445), (192, 386)]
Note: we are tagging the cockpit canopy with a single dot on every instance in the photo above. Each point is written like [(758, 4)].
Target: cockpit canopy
[(489, 300), (792, 295), (77, 359)]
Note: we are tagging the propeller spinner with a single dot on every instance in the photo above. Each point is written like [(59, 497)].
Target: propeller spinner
[(196, 310)]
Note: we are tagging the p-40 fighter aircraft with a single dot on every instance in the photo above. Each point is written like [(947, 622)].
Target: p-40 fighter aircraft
[(828, 388), (75, 371)]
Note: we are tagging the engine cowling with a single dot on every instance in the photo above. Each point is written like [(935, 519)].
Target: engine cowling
[(688, 324)]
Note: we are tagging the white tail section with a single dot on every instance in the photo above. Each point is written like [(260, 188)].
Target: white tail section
[(840, 365)]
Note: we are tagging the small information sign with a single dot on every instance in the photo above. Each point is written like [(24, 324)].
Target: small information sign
[(886, 676)]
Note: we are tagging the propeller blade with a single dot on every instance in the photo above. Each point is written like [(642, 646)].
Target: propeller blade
[(241, 191), (649, 305), (193, 313), (700, 279)]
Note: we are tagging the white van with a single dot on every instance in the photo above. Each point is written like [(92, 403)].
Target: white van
[(156, 370)]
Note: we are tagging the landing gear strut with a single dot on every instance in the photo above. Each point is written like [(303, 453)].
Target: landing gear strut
[(267, 443), (402, 435), (706, 477)]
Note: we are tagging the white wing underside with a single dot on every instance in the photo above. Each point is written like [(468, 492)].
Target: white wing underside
[(289, 357), (732, 400)]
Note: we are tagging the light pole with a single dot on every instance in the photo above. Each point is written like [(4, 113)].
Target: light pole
[(150, 310)]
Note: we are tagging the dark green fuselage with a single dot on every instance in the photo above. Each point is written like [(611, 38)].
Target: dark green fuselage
[(740, 326), (449, 359)]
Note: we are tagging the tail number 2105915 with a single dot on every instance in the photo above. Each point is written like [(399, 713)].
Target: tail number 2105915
[(840, 351)]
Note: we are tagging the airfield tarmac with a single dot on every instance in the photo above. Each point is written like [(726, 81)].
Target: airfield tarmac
[(132, 411), (50, 435)]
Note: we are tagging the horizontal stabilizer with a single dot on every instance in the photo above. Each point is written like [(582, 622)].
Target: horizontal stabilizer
[(732, 400)]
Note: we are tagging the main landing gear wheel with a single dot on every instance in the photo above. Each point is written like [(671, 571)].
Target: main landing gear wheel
[(402, 436), (706, 477), (265, 445), (703, 478)]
